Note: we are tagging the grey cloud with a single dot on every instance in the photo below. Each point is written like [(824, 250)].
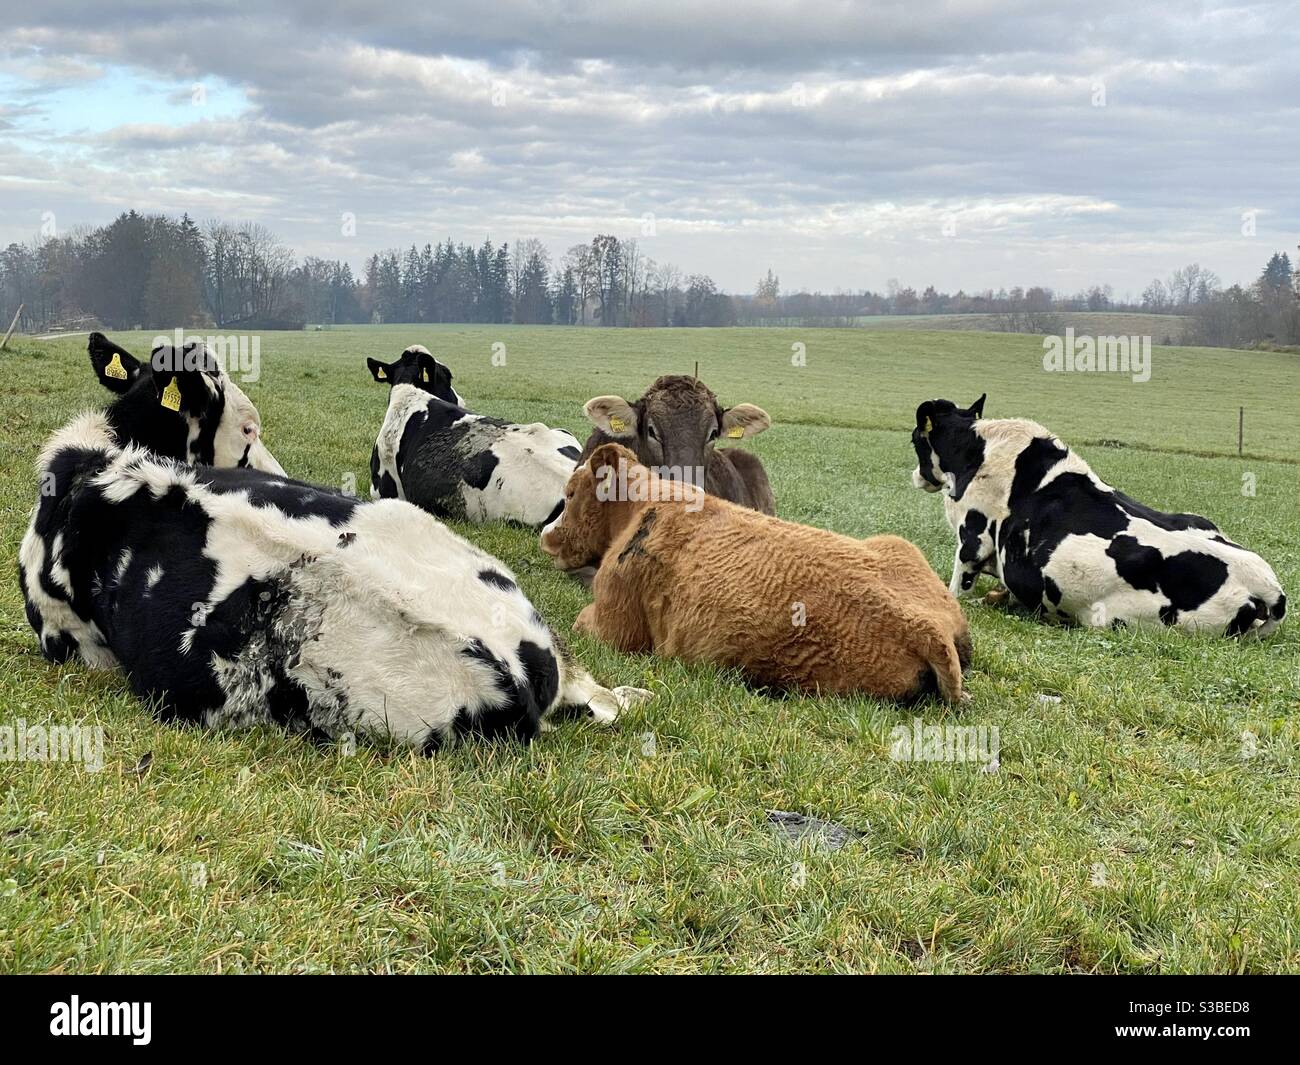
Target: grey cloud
[(829, 140)]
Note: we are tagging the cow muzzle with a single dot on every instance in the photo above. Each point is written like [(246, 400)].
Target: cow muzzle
[(919, 481)]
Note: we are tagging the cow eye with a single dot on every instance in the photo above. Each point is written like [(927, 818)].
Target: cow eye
[(713, 433), (250, 430), (650, 431)]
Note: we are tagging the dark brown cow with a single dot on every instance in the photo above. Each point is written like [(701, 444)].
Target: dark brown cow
[(672, 429)]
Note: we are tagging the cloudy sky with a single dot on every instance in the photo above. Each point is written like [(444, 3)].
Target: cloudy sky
[(968, 143)]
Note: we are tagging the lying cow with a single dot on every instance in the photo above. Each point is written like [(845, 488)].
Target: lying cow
[(673, 428), (434, 453), (232, 596), (1030, 511), (692, 576)]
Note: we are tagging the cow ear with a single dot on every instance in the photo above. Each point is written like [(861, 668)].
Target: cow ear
[(925, 417), (612, 415), (976, 409), (380, 371), (182, 381), (609, 455), (115, 367), (744, 419)]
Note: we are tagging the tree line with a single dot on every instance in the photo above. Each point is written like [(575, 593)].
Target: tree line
[(157, 272), (1266, 312)]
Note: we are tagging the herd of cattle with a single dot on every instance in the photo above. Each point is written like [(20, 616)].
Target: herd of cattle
[(168, 542)]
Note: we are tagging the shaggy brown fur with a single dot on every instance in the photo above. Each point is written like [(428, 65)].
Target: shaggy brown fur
[(699, 578)]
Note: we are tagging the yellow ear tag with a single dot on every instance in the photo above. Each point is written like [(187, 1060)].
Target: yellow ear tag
[(929, 423), (736, 432), (424, 375), (381, 375), (115, 368), (617, 424), (171, 396)]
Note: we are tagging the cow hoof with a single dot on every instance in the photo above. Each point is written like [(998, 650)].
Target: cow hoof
[(603, 707), (997, 597), (629, 697)]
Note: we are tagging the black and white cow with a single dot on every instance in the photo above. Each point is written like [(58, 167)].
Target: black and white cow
[(232, 596), (434, 453), (1030, 511)]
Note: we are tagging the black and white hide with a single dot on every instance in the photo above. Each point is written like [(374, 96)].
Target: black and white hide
[(232, 596), (432, 452), (1030, 511)]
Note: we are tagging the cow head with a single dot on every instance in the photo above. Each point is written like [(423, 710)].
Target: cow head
[(419, 368), (673, 427), (180, 404), (579, 536), (945, 442)]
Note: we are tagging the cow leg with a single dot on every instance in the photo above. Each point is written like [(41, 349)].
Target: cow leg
[(616, 616), (581, 692), (963, 577)]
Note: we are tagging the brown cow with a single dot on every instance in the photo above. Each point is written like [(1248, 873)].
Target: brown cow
[(688, 575), (673, 428)]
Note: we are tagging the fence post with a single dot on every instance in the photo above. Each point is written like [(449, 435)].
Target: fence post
[(12, 326)]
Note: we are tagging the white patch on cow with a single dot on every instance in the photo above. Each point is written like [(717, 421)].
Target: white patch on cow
[(529, 479), (152, 576), (123, 564)]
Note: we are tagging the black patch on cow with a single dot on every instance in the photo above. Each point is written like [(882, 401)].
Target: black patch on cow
[(1279, 608), (1171, 522), (636, 542), (1052, 591), (516, 717), (499, 580), (1252, 611), (570, 451), (556, 511), (542, 671), (478, 471), (387, 486), (295, 499), (972, 528), (1136, 563)]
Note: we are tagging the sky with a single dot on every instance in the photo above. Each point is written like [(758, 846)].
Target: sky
[(967, 144)]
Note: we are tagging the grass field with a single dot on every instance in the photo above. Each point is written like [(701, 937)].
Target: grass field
[(1143, 817)]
